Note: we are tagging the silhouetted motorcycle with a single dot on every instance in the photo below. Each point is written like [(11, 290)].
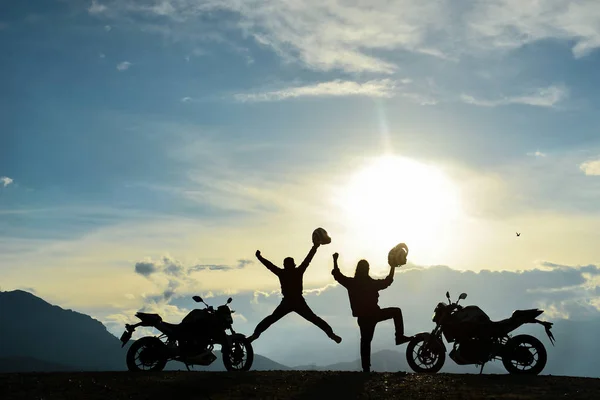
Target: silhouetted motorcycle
[(190, 342), (478, 340)]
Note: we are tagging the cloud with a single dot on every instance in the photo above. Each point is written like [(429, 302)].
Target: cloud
[(5, 181), (170, 274), (219, 267), (358, 36), (591, 168), (542, 97), (96, 8), (336, 88), (123, 66), (102, 55), (186, 99), (537, 153), (107, 28), (511, 24)]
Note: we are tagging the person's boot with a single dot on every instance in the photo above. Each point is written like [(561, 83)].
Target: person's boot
[(401, 339), (335, 338)]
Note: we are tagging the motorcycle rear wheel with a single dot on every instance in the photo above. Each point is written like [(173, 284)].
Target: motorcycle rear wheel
[(146, 354), (422, 359), (524, 355), (240, 356)]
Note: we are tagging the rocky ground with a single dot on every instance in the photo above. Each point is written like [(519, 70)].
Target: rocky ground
[(290, 385)]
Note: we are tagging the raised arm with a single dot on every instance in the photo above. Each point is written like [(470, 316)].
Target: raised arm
[(387, 281), (274, 269), (337, 274), (309, 257)]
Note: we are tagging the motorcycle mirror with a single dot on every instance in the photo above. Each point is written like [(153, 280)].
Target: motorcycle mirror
[(448, 295), (197, 299), (229, 300), (462, 296)]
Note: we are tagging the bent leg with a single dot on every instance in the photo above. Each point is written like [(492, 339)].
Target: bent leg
[(367, 329), (393, 313), (282, 310)]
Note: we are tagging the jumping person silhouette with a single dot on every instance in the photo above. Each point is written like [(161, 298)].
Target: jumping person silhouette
[(290, 279), (363, 293)]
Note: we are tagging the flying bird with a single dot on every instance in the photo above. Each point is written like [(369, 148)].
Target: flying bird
[(518, 234)]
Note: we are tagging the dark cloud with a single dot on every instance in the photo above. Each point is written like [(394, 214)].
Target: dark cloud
[(244, 263), (145, 268), (175, 274)]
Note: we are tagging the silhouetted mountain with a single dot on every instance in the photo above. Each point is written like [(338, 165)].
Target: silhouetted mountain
[(28, 364), (38, 336), (32, 328)]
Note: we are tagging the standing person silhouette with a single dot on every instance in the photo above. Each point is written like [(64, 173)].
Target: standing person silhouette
[(290, 279), (363, 292)]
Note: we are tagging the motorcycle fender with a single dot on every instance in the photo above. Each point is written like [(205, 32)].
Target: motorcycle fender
[(433, 340)]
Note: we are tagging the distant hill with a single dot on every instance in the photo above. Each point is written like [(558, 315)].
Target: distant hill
[(38, 336), (32, 328)]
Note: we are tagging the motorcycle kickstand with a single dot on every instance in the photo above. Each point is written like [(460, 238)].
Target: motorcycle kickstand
[(481, 369), (188, 367)]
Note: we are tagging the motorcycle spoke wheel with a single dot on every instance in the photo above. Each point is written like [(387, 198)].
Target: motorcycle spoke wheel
[(531, 358), (421, 358), (525, 354), (240, 356), (145, 355), (424, 357)]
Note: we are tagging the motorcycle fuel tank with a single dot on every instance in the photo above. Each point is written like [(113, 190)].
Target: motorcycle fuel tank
[(471, 314)]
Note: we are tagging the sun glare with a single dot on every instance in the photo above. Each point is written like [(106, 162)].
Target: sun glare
[(395, 199)]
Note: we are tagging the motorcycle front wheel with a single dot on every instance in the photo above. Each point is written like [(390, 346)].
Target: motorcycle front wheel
[(422, 358), (239, 356), (146, 354), (524, 355)]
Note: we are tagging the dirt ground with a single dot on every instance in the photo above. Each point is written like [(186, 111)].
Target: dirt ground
[(290, 385)]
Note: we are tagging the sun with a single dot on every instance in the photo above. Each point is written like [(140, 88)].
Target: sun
[(395, 199)]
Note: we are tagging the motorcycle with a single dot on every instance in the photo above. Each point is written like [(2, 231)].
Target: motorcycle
[(476, 340), (191, 342)]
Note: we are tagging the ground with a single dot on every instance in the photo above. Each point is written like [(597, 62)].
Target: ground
[(290, 385)]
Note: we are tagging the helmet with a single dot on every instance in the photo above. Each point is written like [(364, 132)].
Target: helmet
[(320, 236), (397, 255)]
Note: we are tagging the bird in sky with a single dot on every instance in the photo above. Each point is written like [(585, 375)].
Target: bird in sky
[(518, 234)]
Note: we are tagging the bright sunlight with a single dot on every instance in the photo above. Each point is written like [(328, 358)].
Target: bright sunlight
[(395, 199)]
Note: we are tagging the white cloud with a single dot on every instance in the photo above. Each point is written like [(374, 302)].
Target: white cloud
[(123, 66), (374, 88), (591, 167), (541, 97), (102, 55), (357, 36), (186, 99), (537, 153), (5, 181), (512, 23), (107, 28), (96, 8)]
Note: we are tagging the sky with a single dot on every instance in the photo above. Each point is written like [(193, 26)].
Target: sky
[(190, 133)]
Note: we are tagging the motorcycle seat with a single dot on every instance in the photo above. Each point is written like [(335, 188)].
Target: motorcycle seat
[(531, 313), (172, 326)]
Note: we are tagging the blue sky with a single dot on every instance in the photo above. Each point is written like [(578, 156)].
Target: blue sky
[(202, 130)]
